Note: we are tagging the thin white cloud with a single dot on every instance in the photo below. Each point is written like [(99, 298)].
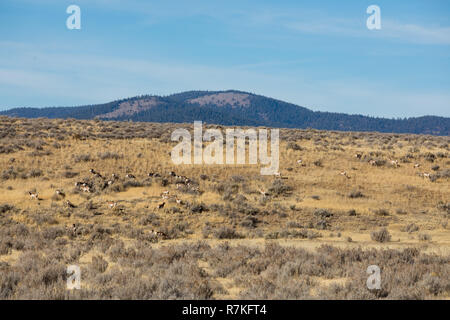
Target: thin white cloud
[(417, 33), (390, 30)]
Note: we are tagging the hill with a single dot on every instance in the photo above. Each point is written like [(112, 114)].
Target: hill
[(234, 108)]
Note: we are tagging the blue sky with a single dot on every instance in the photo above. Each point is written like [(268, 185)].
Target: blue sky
[(318, 54)]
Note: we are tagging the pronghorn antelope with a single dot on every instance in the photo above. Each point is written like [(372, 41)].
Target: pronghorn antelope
[(154, 174), (161, 205), (73, 229), (186, 179), (95, 173), (183, 179), (417, 165), (192, 187), (179, 201), (165, 194), (344, 173), (265, 194), (33, 195), (112, 204), (358, 155), (130, 176), (60, 193), (114, 176), (300, 162), (98, 175), (394, 163), (426, 175), (279, 175), (69, 204), (372, 162), (83, 186), (86, 188), (159, 234)]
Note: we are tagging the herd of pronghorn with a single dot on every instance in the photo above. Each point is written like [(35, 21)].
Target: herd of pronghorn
[(183, 182), (157, 234), (87, 187), (393, 163)]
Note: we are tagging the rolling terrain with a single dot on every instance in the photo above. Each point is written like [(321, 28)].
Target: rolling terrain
[(105, 195), (234, 108)]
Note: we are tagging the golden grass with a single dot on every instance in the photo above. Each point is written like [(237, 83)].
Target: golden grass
[(407, 197)]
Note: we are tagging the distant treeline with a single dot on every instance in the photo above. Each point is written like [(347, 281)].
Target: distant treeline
[(262, 111)]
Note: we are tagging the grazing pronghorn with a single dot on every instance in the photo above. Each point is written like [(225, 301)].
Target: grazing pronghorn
[(130, 176), (179, 201), (417, 165), (60, 193), (358, 155), (165, 194), (112, 204), (185, 179), (79, 184), (192, 187), (300, 162), (69, 204), (344, 173), (154, 174), (95, 173), (372, 162), (426, 175), (114, 176), (265, 194), (33, 195), (159, 234), (109, 182), (279, 175), (161, 205), (394, 163), (85, 188)]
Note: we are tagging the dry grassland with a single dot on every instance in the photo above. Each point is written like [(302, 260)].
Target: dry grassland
[(312, 235)]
